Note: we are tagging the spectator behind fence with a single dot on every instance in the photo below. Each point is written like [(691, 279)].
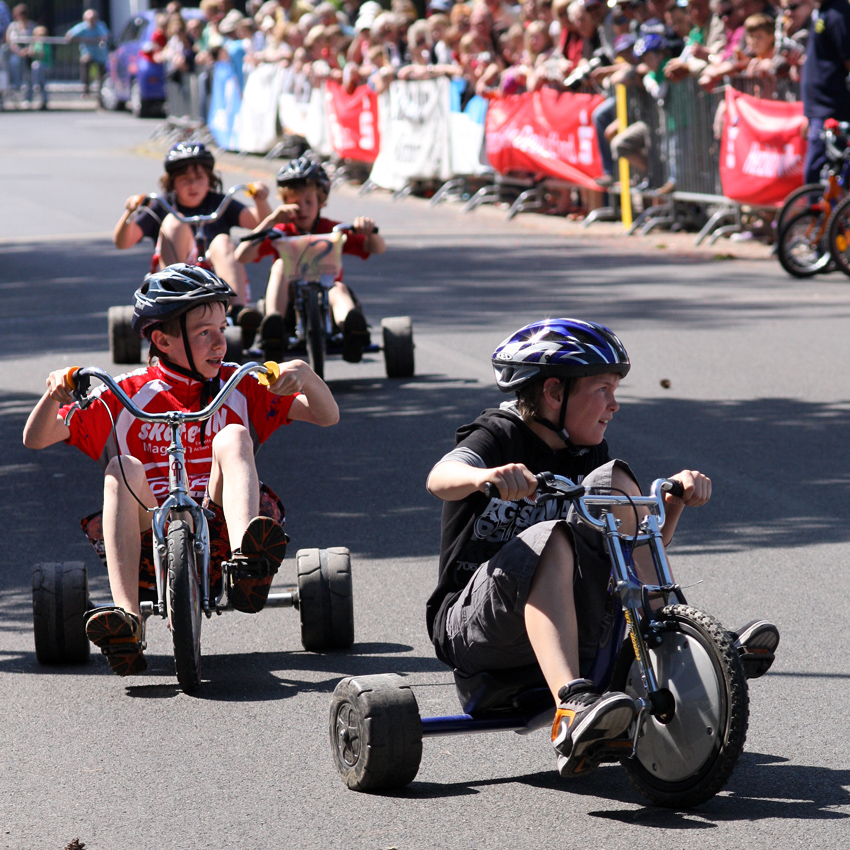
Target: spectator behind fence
[(17, 40), (93, 36), (825, 71), (706, 38), (40, 57), (792, 36)]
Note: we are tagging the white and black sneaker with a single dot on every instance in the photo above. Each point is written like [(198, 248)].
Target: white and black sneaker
[(756, 642), (584, 721)]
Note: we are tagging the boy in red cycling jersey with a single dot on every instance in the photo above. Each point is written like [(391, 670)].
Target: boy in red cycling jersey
[(303, 188), (181, 311)]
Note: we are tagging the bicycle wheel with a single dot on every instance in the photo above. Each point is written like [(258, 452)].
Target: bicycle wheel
[(183, 597), (800, 199), (685, 757), (803, 248), (315, 333), (838, 236)]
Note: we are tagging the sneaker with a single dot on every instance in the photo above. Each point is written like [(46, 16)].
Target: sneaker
[(255, 563), (248, 320), (273, 338), (756, 642), (584, 721), (118, 634), (355, 336)]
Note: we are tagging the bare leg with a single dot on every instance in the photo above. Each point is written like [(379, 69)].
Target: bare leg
[(176, 241), (233, 480), (277, 290), (550, 616), (123, 522), (341, 302), (221, 254)]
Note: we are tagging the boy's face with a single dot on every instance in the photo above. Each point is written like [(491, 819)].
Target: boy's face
[(307, 199), (760, 43), (205, 328), (591, 407), (191, 186)]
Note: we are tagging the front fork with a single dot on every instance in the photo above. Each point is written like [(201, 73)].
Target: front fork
[(636, 599)]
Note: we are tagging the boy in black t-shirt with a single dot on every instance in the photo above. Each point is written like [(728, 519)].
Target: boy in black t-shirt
[(518, 584)]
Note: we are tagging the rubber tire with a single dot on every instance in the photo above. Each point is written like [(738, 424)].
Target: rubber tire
[(125, 345), (398, 346), (108, 97), (838, 225), (60, 599), (795, 203), (789, 239), (183, 597), (233, 337), (375, 732), (662, 768), (315, 332), (143, 108), (325, 598)]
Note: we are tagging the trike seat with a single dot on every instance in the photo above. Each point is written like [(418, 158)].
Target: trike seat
[(513, 689)]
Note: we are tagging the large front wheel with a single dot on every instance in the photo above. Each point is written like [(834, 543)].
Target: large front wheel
[(184, 605), (315, 332), (803, 246), (687, 754)]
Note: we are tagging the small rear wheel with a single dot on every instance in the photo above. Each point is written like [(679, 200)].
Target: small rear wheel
[(804, 198), (315, 332), (398, 346), (125, 344), (325, 598), (375, 732), (183, 596), (60, 599), (687, 756), (838, 235), (803, 247), (234, 352)]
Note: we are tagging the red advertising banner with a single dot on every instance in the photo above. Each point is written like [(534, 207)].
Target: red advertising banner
[(763, 150), (353, 122), (545, 132)]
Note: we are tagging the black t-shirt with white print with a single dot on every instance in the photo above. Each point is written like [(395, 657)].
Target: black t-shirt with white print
[(475, 528)]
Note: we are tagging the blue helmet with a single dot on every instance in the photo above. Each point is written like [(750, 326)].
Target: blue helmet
[(649, 42), (558, 348)]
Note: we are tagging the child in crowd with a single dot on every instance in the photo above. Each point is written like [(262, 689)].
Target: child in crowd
[(181, 311), (760, 37), (192, 187), (303, 188)]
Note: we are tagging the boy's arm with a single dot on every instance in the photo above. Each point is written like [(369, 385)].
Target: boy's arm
[(127, 233), (249, 218), (453, 480), (373, 243), (697, 491), (313, 400), (247, 252), (44, 425)]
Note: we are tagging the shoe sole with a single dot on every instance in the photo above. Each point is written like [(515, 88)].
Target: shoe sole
[(757, 643), (266, 537), (599, 725), (115, 636)]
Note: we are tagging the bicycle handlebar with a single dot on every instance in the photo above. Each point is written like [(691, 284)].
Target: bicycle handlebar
[(248, 188), (79, 382), (272, 234)]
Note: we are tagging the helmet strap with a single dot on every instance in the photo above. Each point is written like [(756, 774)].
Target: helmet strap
[(560, 428)]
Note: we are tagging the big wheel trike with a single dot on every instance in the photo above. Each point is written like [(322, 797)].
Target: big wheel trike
[(184, 592), (311, 264), (682, 668)]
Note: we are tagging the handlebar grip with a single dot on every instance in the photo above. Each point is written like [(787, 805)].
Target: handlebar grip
[(673, 487), (271, 374), (68, 381), (491, 491)]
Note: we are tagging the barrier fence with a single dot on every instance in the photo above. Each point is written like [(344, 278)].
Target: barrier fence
[(706, 151)]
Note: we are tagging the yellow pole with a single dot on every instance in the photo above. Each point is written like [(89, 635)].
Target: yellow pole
[(625, 185)]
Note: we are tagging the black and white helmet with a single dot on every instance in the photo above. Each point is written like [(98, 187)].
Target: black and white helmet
[(188, 153), (304, 170), (558, 348), (175, 290)]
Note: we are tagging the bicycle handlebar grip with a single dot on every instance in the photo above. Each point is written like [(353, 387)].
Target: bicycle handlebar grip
[(271, 374), (673, 487), (68, 380), (491, 491)]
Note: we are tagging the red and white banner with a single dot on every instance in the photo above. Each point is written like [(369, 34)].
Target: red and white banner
[(353, 122), (763, 150), (545, 132)]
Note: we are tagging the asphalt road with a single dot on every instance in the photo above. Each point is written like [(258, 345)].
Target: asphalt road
[(758, 399)]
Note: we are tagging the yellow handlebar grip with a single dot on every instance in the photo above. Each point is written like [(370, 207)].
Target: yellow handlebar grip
[(68, 380), (251, 190), (271, 375)]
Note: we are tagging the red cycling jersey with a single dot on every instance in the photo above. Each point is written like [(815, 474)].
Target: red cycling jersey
[(157, 389)]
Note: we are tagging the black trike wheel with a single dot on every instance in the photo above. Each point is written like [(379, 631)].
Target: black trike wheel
[(325, 599), (234, 353), (60, 599), (398, 346), (184, 605), (800, 199), (686, 757), (838, 235), (315, 330), (803, 246), (125, 345), (375, 732)]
